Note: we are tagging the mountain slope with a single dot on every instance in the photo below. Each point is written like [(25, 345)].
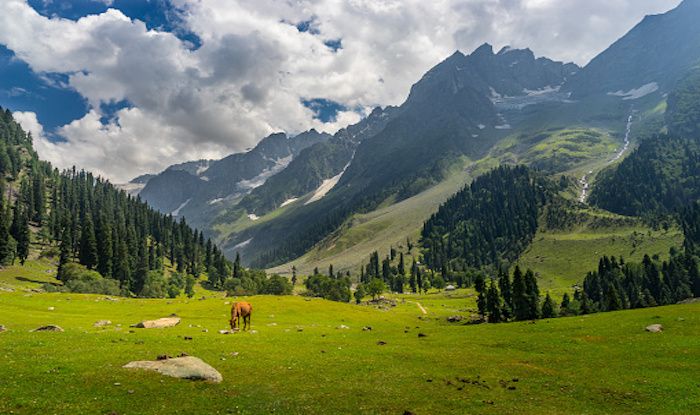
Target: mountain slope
[(651, 57), (451, 112)]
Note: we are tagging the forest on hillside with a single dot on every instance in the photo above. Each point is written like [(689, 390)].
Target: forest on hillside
[(102, 238), (489, 222)]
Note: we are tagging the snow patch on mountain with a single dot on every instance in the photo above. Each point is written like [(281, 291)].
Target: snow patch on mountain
[(289, 201), (328, 184), (243, 244), (179, 208), (636, 93), (261, 178), (215, 201)]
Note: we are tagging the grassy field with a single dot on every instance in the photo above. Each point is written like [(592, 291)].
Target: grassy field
[(299, 361), (562, 259)]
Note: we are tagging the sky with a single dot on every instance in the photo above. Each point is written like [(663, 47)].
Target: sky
[(127, 87)]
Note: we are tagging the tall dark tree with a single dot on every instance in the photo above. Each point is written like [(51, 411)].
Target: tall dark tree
[(88, 244)]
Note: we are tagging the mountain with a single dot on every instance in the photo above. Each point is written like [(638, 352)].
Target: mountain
[(649, 58), (456, 110), (207, 182)]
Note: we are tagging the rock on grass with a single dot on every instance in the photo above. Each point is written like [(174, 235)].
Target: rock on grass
[(158, 324), (655, 328), (50, 327), (188, 367)]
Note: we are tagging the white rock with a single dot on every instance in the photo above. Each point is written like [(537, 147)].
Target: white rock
[(158, 324), (655, 328), (188, 367)]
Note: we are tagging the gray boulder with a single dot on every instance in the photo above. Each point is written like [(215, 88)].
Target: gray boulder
[(158, 324), (655, 328), (188, 367), (50, 327)]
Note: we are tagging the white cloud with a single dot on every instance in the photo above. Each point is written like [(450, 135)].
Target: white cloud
[(253, 69)]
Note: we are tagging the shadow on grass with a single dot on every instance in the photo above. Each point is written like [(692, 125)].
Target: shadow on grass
[(25, 279)]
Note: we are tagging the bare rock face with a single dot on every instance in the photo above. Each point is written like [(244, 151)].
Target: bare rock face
[(655, 328), (187, 367), (50, 327), (158, 324)]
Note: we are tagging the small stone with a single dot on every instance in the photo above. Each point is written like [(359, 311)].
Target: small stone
[(234, 354), (117, 384), (422, 335), (367, 328), (205, 331), (52, 308), (2, 328), (102, 323), (130, 391), (381, 343), (225, 332), (253, 332), (655, 328), (188, 338), (50, 327), (342, 327), (455, 319)]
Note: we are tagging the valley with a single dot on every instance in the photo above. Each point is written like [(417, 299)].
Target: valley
[(475, 231)]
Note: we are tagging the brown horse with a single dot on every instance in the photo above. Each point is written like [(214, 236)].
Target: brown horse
[(238, 310)]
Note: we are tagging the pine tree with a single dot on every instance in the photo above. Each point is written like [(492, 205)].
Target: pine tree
[(294, 275), (23, 236), (88, 244), (521, 308), (402, 266), (507, 293), (413, 280), (65, 253), (104, 247), (565, 303), (237, 266), (533, 295), (493, 304), (548, 307)]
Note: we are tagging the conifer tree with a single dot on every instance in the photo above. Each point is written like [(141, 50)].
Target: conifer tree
[(88, 244), (493, 304), (548, 307), (533, 295), (521, 308), (506, 292)]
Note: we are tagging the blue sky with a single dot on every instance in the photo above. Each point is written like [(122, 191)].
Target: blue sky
[(49, 95)]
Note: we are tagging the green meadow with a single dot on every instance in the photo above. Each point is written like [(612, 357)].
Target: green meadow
[(312, 356)]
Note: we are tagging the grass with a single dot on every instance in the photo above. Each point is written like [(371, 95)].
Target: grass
[(562, 259), (299, 361)]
